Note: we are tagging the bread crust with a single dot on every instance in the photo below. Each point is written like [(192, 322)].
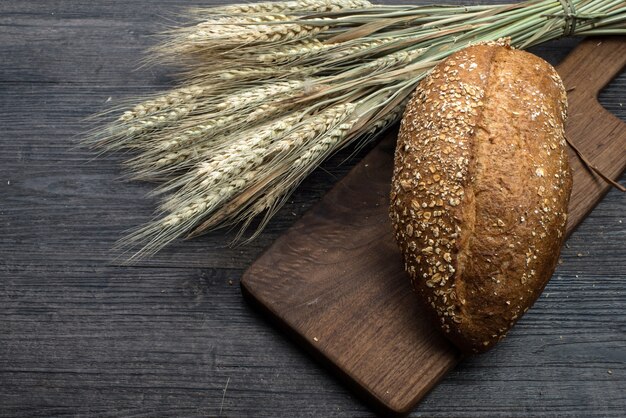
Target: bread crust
[(480, 189)]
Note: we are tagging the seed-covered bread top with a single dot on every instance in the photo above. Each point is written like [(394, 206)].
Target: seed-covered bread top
[(480, 189)]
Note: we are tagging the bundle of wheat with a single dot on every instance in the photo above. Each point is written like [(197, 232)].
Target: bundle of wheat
[(269, 90)]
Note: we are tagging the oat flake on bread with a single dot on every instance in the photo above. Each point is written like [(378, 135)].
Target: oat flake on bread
[(480, 189)]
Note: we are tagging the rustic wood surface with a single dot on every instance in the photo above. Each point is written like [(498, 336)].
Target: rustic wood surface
[(82, 335)]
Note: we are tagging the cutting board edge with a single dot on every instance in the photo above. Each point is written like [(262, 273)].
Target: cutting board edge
[(356, 387), (606, 188)]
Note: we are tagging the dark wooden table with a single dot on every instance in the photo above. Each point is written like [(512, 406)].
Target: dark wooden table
[(172, 336)]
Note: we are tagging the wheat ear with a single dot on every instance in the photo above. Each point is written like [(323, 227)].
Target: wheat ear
[(285, 7), (240, 179)]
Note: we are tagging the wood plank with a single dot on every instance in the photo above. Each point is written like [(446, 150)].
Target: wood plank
[(600, 136), (335, 281)]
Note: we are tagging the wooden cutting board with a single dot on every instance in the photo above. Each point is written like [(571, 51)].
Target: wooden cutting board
[(335, 282)]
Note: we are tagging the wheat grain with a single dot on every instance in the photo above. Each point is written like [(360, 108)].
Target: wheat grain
[(312, 138), (307, 50), (152, 114), (275, 140), (221, 34), (246, 153), (379, 65), (262, 94), (166, 152), (387, 120), (167, 101), (218, 113), (358, 49), (153, 122), (284, 54), (252, 73), (297, 171), (297, 6), (313, 156)]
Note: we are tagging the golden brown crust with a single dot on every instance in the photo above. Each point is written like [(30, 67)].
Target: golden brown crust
[(480, 189)]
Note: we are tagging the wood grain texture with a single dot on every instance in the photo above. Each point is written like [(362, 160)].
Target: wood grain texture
[(82, 336), (336, 282), (596, 133)]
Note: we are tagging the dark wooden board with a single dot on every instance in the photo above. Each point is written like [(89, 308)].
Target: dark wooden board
[(80, 336), (336, 282)]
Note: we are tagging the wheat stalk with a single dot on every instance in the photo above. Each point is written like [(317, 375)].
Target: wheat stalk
[(224, 33), (269, 90), (286, 7), (235, 173)]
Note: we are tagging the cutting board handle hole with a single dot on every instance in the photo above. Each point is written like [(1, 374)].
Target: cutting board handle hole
[(611, 101)]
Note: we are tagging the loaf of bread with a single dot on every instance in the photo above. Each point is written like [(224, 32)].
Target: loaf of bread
[(480, 189)]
